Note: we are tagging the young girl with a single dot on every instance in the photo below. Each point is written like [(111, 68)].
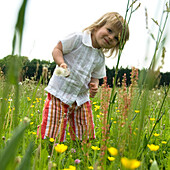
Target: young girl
[(68, 97)]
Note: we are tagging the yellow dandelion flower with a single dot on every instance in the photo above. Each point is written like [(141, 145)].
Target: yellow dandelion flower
[(51, 140), (130, 163), (94, 102), (137, 111), (152, 119), (115, 107), (114, 122), (153, 147), (98, 116), (40, 98), (72, 167), (32, 114), (90, 167), (156, 134), (113, 151), (164, 142), (96, 107), (95, 148), (34, 133), (111, 158), (34, 102), (32, 105), (117, 110), (31, 123), (111, 118), (61, 148), (28, 99)]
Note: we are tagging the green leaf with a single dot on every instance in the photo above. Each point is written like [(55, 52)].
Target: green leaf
[(9, 152), (154, 166), (145, 141), (156, 22), (25, 163), (114, 97)]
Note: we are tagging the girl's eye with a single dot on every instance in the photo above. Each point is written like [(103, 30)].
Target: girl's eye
[(109, 30)]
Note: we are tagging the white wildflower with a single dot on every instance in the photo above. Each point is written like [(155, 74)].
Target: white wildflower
[(59, 71), (26, 120)]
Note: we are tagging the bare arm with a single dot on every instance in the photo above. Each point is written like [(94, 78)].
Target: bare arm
[(94, 83), (58, 55)]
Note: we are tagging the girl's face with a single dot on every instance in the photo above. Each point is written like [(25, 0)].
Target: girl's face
[(105, 37)]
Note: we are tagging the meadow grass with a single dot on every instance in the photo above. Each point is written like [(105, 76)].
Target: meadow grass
[(131, 123), (95, 153)]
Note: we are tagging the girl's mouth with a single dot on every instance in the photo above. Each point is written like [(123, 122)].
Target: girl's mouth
[(106, 41)]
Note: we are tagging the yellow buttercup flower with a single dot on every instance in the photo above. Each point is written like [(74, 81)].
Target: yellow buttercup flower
[(95, 148), (98, 116), (94, 102), (31, 123), (71, 168), (164, 142), (28, 99), (156, 134), (152, 119), (90, 167), (34, 133), (153, 147), (130, 163), (101, 113), (96, 107), (51, 140), (113, 151), (137, 111), (134, 133), (111, 158), (61, 148)]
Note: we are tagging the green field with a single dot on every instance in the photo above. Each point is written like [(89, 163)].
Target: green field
[(134, 127)]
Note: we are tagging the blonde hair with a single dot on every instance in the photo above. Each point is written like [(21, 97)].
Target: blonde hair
[(117, 21)]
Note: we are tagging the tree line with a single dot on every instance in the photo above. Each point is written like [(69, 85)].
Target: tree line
[(35, 68)]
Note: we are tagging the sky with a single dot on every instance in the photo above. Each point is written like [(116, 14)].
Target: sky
[(48, 21)]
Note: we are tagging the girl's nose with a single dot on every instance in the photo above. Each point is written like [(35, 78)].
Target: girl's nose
[(111, 37)]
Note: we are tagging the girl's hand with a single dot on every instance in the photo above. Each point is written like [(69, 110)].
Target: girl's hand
[(63, 65), (93, 89)]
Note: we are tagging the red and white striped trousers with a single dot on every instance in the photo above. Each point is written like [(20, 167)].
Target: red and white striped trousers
[(56, 116)]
